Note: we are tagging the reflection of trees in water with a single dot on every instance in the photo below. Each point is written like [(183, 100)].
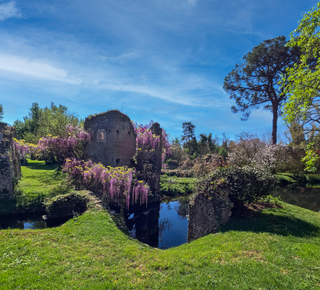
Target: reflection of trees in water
[(304, 197), (164, 224), (182, 209)]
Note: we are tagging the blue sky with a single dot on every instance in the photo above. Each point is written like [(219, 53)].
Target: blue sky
[(161, 60)]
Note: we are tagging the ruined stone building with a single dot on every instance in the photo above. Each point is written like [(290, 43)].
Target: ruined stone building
[(10, 167), (113, 140), (113, 143)]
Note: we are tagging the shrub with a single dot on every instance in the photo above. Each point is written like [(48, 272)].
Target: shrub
[(246, 184), (66, 205)]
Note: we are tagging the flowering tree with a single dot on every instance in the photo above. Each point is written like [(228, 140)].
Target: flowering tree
[(115, 184), (69, 144), (251, 151)]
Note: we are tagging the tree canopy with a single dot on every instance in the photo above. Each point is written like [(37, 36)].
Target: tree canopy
[(303, 82), (43, 122), (255, 82), (304, 77)]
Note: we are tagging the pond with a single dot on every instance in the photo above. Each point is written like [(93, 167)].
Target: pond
[(301, 196), (29, 222), (162, 225)]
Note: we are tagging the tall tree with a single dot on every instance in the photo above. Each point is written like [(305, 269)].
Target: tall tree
[(188, 135), (255, 82), (1, 112)]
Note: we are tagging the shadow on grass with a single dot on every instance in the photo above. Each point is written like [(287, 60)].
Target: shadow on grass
[(41, 166), (274, 224)]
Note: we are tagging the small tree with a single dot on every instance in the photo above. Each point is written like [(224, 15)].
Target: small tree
[(1, 112), (188, 135)]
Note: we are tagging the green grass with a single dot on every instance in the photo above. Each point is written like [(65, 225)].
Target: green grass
[(309, 180), (175, 186), (38, 182), (278, 249)]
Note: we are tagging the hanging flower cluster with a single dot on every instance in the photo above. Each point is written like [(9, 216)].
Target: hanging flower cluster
[(117, 183), (24, 148), (147, 141)]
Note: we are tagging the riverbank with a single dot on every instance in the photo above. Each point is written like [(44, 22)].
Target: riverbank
[(277, 248)]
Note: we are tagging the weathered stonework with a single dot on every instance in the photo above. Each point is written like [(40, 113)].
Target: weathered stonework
[(9, 161), (207, 211), (113, 139), (149, 164)]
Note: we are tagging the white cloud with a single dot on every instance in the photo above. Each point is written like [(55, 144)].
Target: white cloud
[(9, 10), (32, 68)]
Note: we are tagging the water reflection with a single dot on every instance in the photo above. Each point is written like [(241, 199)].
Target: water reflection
[(29, 222), (162, 225), (304, 197)]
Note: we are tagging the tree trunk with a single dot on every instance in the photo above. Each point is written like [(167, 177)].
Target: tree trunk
[(274, 125)]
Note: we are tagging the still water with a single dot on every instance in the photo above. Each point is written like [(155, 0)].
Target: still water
[(304, 197), (29, 222), (162, 225)]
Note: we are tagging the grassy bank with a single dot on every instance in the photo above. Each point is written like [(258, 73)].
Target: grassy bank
[(277, 249), (38, 182), (309, 180)]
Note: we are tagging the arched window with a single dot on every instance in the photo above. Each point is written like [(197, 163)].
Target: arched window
[(101, 135)]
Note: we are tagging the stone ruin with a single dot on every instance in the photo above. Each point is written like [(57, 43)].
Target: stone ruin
[(10, 166), (113, 143), (149, 163), (113, 140), (207, 211)]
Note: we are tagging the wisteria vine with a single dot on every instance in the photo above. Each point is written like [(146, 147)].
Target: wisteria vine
[(117, 183), (147, 141)]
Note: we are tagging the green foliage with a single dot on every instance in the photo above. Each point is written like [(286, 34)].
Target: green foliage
[(254, 83), (246, 184), (175, 186), (61, 205), (311, 158), (304, 77), (1, 112), (43, 122), (189, 138)]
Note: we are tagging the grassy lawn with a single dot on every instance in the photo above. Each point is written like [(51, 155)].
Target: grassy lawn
[(277, 248), (38, 181)]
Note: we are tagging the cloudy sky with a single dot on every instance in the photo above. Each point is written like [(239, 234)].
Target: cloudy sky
[(161, 60)]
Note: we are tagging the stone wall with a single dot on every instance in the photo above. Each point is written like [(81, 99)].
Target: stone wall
[(9, 161), (149, 164), (113, 140), (207, 211)]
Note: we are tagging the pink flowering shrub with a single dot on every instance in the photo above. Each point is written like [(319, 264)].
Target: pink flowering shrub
[(115, 183), (147, 141), (70, 144), (24, 148)]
